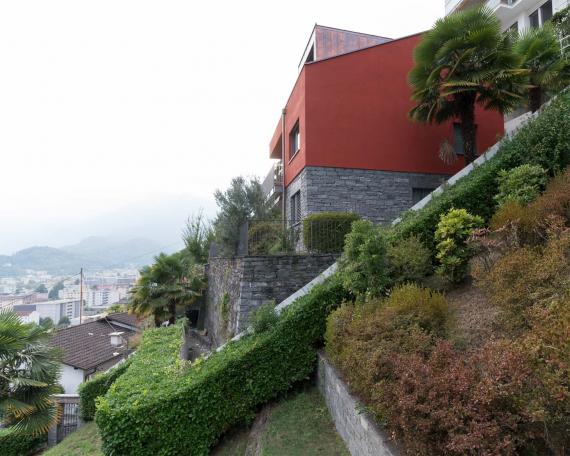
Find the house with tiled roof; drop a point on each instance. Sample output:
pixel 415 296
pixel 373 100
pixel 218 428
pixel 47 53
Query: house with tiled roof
pixel 94 347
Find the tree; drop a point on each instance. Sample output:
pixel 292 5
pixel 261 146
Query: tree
pixel 29 370
pixel 243 201
pixel 115 308
pixel 63 322
pixel 463 61
pixel 165 286
pixel 46 323
pixel 41 288
pixel 198 236
pixel 54 292
pixel 539 53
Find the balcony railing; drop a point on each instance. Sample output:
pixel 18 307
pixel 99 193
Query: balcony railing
pixel 273 183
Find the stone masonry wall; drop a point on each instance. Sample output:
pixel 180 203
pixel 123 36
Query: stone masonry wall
pixel 251 282
pixel 361 434
pixel 224 276
pixel 379 196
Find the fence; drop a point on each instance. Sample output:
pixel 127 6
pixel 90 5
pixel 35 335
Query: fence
pixel 287 237
pixel 69 420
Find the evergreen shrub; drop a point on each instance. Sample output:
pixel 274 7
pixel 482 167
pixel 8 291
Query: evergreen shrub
pixel 325 232
pixel 161 406
pixel 97 387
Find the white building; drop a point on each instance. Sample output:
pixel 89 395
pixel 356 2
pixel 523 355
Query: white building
pixel 93 347
pixel 513 14
pixel 59 308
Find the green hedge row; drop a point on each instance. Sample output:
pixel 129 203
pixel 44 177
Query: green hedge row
pixel 544 141
pixel 162 407
pixel 97 387
pixel 324 232
pixel 20 445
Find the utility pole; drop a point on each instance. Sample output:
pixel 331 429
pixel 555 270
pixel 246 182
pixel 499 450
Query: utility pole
pixel 81 296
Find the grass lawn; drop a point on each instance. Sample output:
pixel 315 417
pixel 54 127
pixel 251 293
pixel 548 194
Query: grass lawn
pixel 84 442
pixel 298 425
pixel 301 426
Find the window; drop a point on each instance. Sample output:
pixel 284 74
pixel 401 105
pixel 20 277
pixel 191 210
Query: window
pixel 458 139
pixel 534 20
pixel 419 194
pixel 296 207
pixel 514 28
pixel 542 15
pixel 294 140
pixel 546 12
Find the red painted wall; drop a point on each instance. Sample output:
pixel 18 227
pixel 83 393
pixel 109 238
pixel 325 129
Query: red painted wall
pixel 353 114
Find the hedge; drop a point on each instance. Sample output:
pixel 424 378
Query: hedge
pixel 98 386
pixel 20 445
pixel 324 232
pixel 160 406
pixel 543 141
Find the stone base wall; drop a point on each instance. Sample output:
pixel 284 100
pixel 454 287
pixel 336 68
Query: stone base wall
pixel 379 196
pixel 361 434
pixel 248 282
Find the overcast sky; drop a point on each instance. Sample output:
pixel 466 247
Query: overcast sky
pixel 114 107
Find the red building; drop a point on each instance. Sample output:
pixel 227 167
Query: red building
pixel 344 139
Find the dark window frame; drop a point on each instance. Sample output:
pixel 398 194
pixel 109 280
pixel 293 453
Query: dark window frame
pixel 295 209
pixel 294 140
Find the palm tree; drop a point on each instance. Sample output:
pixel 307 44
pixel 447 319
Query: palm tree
pixel 165 286
pixel 463 61
pixel 539 53
pixel 29 370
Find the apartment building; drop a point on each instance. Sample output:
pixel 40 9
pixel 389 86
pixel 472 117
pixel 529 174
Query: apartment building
pixel 514 14
pixel 344 141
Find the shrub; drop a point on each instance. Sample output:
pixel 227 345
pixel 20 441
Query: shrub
pixel 544 141
pixel 324 232
pixel 453 252
pixel 262 236
pixel 12 444
pixel 161 406
pixel 264 318
pixel 409 260
pixel 97 387
pixel 527 275
pixel 363 265
pixel 521 184
pixel 448 403
pixel 360 338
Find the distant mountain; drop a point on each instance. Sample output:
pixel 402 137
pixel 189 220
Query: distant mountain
pixel 116 251
pixel 93 253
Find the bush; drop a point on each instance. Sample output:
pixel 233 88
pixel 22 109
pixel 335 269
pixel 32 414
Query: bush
pixel 161 406
pixel 262 236
pixel 264 318
pixel 97 387
pixel 409 260
pixel 325 232
pixel 527 275
pixel 363 265
pixel 360 338
pixel 532 224
pixel 521 184
pixel 544 141
pixel 453 252
pixel 20 445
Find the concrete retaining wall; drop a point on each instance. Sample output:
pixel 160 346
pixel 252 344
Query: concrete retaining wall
pixel 361 434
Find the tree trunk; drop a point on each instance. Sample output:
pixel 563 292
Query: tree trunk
pixel 535 98
pixel 172 311
pixel 468 131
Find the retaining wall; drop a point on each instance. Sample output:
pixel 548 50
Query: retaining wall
pixel 241 285
pixel 361 434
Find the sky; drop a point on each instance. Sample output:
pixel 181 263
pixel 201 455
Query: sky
pixel 112 111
